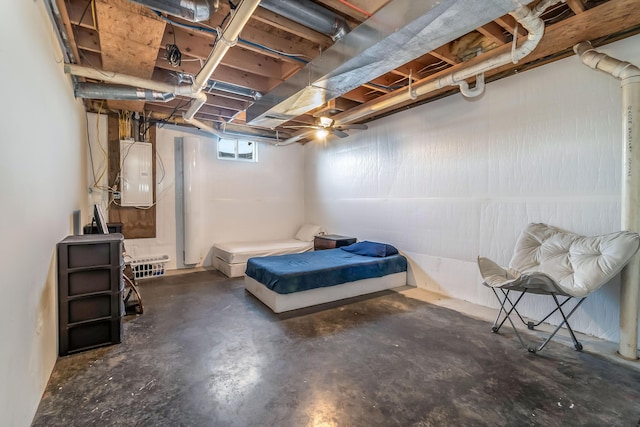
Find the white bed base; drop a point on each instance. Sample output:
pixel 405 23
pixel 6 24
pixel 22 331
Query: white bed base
pixel 229 270
pixel 231 257
pixel 286 302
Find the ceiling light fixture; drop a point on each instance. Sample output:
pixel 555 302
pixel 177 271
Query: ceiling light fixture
pixel 322 133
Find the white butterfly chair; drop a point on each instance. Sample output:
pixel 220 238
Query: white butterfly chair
pixel 554 262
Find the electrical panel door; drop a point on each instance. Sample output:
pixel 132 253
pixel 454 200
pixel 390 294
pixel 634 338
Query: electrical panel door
pixel 136 173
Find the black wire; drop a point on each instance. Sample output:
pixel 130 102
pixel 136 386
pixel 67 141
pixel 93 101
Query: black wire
pixel 93 171
pixel 232 7
pixel 85 11
pixel 174 56
pixel 162 122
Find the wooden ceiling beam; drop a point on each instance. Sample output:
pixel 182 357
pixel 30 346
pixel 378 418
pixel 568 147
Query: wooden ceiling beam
pixel 76 10
pixel 87 39
pixel 509 23
pixel 62 7
pixel 282 23
pixel 236 57
pixel 376 88
pixel 222 73
pixel 279 40
pixel 182 104
pixel 358 94
pixel 443 53
pixel 494 32
pixel 222 99
pixel 592 24
pixel 259 32
pixel 369 6
pixel 166 111
pixel 577 6
pixel 92 59
pixel 411 67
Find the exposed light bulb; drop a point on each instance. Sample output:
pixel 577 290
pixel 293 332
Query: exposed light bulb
pixel 321 133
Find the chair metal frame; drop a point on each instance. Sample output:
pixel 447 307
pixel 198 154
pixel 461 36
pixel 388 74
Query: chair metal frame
pixel 497 324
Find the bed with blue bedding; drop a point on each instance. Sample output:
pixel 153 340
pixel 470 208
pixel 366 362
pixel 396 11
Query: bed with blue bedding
pixel 288 282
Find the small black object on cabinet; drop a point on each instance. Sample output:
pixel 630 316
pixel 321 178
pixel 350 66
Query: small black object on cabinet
pixel 90 288
pixel 332 241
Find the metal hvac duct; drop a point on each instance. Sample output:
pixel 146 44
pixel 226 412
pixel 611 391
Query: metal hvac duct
pixel 310 15
pixel 126 93
pixel 191 10
pixel 398 33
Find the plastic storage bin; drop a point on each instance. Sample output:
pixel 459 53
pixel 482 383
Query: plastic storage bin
pixel 151 266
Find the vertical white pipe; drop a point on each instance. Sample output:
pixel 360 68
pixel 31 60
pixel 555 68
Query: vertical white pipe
pixel 193 195
pixel 629 75
pixel 630 288
pixel 225 41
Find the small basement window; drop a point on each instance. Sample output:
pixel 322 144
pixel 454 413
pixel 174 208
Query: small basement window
pixel 237 149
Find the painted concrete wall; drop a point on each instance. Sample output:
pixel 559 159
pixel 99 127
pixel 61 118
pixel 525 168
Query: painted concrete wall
pixel 42 170
pixel 454 179
pixel 241 201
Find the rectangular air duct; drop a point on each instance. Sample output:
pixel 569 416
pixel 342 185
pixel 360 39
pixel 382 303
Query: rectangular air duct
pixel 398 33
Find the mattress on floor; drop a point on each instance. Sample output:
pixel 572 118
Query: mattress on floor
pixel 240 252
pixel 300 272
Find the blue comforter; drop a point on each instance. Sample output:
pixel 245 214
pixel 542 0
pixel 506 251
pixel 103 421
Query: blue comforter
pixel 286 274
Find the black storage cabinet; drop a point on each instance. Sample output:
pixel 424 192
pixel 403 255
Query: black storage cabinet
pixel 90 288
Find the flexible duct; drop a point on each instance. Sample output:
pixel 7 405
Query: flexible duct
pixel 126 93
pixel 310 15
pixel 629 76
pixel 191 10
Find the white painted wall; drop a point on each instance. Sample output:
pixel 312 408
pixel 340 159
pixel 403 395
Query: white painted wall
pixel 241 200
pixel 454 179
pixel 42 170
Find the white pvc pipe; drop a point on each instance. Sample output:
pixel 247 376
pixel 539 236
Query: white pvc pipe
pixel 475 91
pixel 523 15
pixel 226 40
pixel 629 75
pixel 630 287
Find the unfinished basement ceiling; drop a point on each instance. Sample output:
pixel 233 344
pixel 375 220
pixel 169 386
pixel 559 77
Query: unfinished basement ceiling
pixel 125 37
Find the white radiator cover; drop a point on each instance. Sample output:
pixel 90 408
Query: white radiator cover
pixel 194 186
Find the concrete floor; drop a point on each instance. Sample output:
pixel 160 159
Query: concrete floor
pixel 206 353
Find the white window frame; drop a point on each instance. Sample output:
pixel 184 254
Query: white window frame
pixel 236 155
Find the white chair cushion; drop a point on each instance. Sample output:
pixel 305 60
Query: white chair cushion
pixel 554 260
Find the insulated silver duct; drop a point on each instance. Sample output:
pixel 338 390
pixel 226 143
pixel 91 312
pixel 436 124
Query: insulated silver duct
pixel 311 15
pixel 124 93
pixel 191 10
pixel 398 33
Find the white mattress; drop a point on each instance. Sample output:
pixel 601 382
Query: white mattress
pixel 285 302
pixel 240 252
